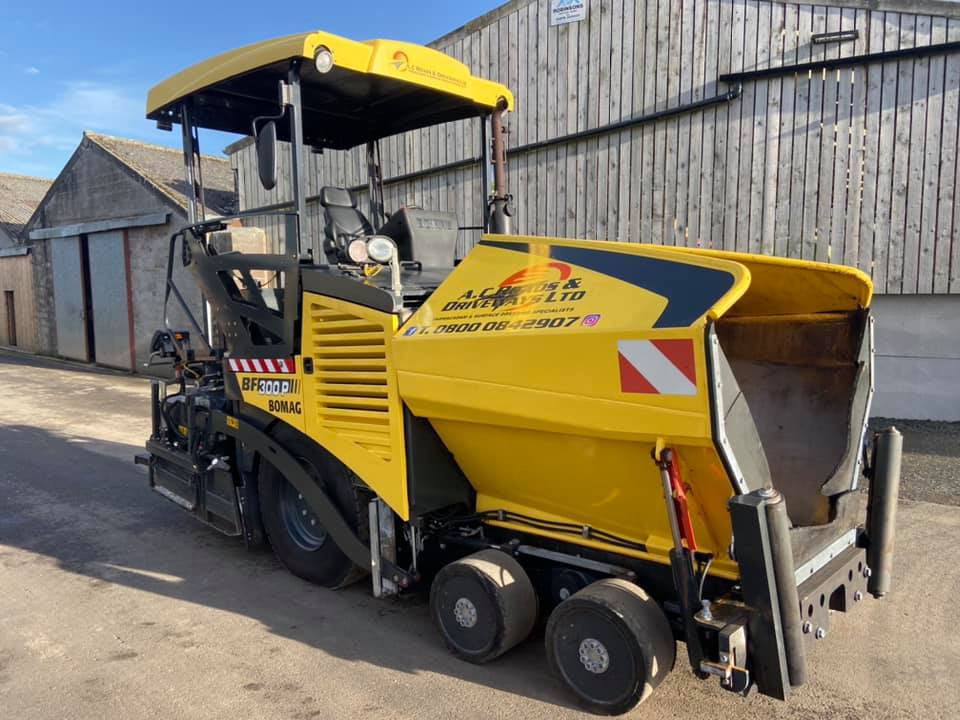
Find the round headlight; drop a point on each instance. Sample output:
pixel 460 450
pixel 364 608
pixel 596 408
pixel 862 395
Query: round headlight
pixel 357 252
pixel 323 60
pixel 381 249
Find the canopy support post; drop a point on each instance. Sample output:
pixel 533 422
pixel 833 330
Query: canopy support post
pixel 195 208
pixel 294 244
pixel 375 184
pixel 485 171
pixel 191 153
pixel 499 210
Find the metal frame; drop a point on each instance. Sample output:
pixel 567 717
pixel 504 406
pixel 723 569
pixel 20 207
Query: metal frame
pixel 754 555
pixel 858 465
pixel 295 244
pixel 715 392
pixel 207 266
pixel 822 558
pixel 841 583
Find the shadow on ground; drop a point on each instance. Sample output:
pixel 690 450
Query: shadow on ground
pixel 27 360
pixel 72 500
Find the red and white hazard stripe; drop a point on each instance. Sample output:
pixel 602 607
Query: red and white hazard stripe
pixel 264 366
pixel 657 367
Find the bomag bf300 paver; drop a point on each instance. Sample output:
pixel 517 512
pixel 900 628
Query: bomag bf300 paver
pixel 636 443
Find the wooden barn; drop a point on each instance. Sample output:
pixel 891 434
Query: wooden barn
pixel 823 132
pixel 19 197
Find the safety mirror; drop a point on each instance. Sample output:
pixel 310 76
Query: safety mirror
pixel 267 155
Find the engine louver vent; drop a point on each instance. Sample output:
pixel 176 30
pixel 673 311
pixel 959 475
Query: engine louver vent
pixel 354 396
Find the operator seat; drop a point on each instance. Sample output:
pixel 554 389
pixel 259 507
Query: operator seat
pixel 343 221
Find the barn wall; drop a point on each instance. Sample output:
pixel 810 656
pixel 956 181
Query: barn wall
pixel 16 275
pixel 917 357
pixel 855 166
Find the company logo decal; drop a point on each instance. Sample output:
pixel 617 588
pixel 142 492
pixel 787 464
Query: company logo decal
pixel 591 320
pixel 538 273
pixel 690 289
pixel 543 284
pixel 401 63
pixel 657 367
pixel 400 60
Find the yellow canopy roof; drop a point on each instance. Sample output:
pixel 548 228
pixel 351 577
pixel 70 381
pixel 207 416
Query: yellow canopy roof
pixel 375 88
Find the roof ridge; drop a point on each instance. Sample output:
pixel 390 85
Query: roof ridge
pixel 20 176
pixel 97 137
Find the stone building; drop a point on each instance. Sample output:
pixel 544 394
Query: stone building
pixel 99 241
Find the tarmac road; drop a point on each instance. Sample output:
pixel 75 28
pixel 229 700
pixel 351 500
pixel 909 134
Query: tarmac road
pixel 116 604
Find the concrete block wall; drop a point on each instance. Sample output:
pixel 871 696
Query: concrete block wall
pixel 92 187
pixel 43 297
pixel 149 247
pixel 917 357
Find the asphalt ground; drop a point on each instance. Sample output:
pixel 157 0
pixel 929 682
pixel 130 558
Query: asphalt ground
pixel 116 604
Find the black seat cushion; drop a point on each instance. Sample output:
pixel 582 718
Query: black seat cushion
pixel 343 221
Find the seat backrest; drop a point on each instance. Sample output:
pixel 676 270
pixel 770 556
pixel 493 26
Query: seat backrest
pixel 342 221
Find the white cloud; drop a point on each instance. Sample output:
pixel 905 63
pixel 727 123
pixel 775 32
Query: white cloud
pixel 11 121
pixel 78 106
pixel 32 71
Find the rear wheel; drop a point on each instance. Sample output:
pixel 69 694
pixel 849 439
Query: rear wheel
pixel 483 605
pixel 611 644
pixel 298 538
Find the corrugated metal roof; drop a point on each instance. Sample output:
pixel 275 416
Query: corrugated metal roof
pixel 162 167
pixel 19 197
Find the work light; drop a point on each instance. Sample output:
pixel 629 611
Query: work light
pixel 357 251
pixel 381 249
pixel 323 60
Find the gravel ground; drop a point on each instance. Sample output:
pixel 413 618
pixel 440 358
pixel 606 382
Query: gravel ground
pixel 116 604
pixel 931 459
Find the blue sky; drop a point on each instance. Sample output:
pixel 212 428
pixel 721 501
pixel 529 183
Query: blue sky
pixel 68 66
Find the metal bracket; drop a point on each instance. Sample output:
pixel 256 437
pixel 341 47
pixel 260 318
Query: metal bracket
pixel 729 620
pixel 286 94
pixel 576 561
pixel 383 546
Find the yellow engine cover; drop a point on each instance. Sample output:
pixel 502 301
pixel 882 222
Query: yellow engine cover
pixel 348 402
pixel 351 401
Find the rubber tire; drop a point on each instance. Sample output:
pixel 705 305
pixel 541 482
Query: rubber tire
pixel 643 642
pixel 327 565
pixel 503 595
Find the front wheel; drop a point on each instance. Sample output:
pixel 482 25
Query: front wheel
pixel 483 605
pixel 611 645
pixel 298 538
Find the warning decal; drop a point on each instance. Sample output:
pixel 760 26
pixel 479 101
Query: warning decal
pixel 657 367
pixel 279 366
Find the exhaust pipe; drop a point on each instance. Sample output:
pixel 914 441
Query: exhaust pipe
pixel 882 509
